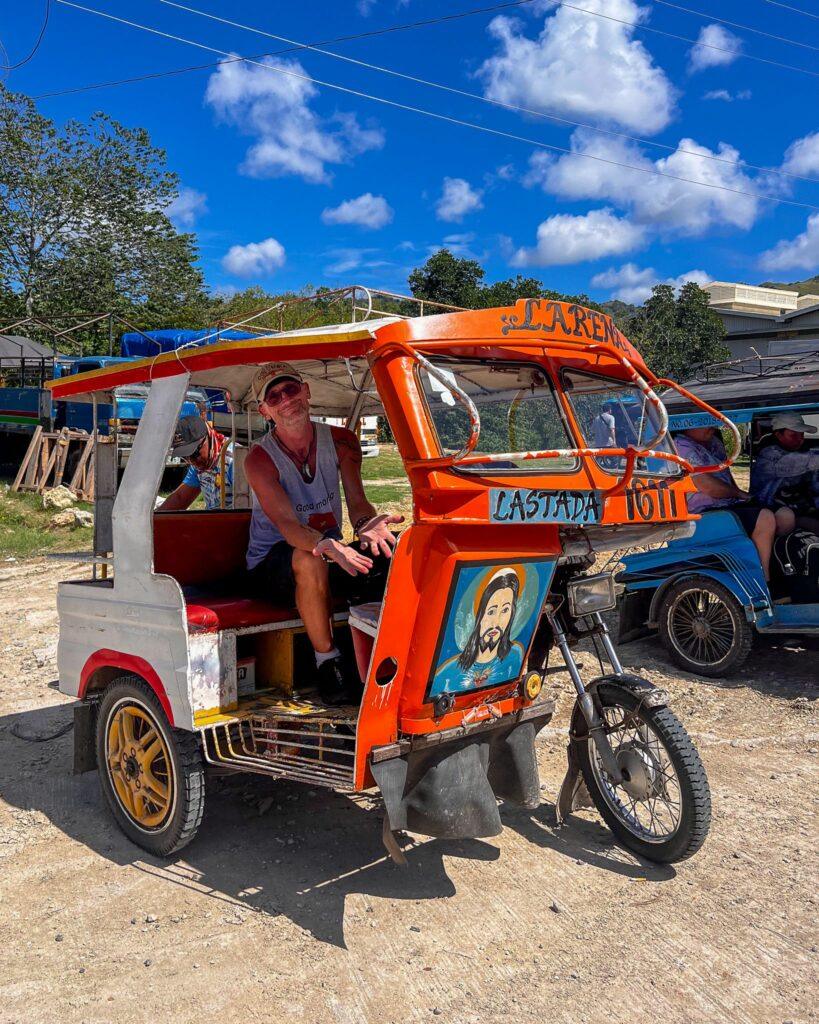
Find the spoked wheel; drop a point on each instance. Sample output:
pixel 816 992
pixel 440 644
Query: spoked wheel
pixel 704 627
pixel 662 807
pixel 151 775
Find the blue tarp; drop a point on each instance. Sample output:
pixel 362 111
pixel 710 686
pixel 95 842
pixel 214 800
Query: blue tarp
pixel 134 344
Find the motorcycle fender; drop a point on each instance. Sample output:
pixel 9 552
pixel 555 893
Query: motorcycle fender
pixel 649 694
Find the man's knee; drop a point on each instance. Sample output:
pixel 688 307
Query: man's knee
pixel 766 523
pixel 785 520
pixel 308 568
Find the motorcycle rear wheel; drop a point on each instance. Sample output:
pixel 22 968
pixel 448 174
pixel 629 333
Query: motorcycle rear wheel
pixel 662 808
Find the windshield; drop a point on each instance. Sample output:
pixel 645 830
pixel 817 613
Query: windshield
pixel 517 408
pixel 613 414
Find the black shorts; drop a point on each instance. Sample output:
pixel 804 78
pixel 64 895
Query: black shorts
pixel 273 578
pixel 748 514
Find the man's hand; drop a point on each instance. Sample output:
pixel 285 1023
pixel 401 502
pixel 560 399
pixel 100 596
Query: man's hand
pixel 375 534
pixel 350 560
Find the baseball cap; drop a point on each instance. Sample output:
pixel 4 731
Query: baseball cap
pixel 792 421
pixel 272 373
pixel 190 433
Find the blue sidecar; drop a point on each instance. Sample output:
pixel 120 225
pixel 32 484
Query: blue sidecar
pixel 706 594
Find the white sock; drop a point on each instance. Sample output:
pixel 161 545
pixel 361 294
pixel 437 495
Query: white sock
pixel 322 656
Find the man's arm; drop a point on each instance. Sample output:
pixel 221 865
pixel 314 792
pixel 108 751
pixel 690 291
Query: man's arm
pixel 374 534
pixel 263 478
pixel 350 458
pixel 708 484
pixel 180 499
pixel 781 464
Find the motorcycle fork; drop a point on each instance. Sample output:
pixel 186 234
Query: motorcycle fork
pixel 594 719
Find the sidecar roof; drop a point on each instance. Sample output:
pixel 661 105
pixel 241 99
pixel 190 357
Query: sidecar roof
pixel 333 358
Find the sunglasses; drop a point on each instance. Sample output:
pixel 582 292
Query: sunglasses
pixel 288 390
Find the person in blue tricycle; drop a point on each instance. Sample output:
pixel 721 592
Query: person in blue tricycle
pixel 785 474
pixel 703 446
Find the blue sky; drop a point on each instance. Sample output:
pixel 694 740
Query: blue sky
pixel 288 184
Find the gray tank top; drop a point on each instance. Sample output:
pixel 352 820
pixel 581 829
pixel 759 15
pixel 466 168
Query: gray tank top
pixel 316 504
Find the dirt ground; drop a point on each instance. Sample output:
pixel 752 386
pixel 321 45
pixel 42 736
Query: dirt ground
pixel 285 908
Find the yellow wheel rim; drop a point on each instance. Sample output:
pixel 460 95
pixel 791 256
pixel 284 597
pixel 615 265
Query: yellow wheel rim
pixel 139 766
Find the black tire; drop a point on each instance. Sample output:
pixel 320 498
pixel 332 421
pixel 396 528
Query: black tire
pixel 694 820
pixel 178 766
pixel 701 603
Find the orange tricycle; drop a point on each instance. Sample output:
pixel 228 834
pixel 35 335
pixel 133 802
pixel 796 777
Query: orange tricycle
pixel 533 440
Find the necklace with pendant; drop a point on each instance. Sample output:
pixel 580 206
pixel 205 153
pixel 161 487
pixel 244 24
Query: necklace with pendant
pixel 303 465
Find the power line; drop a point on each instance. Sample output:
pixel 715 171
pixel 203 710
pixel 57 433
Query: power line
pixel 403 27
pixel 25 60
pixel 435 115
pixel 685 39
pixel 411 25
pixel 734 24
pixel 477 96
pixel 797 10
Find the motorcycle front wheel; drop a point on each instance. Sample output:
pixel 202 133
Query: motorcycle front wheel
pixel 661 810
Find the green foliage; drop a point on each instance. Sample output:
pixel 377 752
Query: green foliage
pixel 457 281
pixel 26 530
pixel 82 222
pixel 676 335
pixel 809 286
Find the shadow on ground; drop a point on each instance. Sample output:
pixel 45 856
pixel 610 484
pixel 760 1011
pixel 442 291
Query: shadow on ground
pixel 274 847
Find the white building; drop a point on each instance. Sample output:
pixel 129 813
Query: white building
pixel 765 321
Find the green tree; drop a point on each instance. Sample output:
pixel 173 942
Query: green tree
pixel 447 278
pixel 677 334
pixel 83 224
pixel 458 281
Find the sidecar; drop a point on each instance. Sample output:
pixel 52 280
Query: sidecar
pixel 706 594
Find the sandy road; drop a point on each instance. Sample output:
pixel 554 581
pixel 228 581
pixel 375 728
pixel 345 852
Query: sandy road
pixel 285 909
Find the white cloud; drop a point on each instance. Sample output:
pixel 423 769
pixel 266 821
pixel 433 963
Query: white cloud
pixel 581 66
pixel 366 211
pixel 564 239
pixel 800 253
pixel 629 283
pixel 723 94
pixel 802 156
pixel 257 259
pixel 666 204
pixel 346 260
pixel 457 200
pixel 291 138
pixel 702 54
pixel 188 206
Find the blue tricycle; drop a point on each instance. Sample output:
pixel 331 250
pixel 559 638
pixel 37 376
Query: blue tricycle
pixel 706 594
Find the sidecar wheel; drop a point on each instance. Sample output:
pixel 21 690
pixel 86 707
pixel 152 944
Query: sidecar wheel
pixel 662 808
pixel 151 774
pixel 703 627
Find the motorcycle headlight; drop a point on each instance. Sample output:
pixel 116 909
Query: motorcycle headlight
pixel 590 594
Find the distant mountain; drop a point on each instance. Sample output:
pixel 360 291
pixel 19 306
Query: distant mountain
pixel 618 310
pixel 810 286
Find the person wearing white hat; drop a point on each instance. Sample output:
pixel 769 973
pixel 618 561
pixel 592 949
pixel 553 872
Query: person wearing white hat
pixel 296 553
pixel 785 473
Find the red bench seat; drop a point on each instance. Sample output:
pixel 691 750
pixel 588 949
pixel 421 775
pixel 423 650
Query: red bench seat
pixel 209 614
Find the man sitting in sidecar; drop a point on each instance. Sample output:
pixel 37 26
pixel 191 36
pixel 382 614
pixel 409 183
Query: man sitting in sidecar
pixel 785 474
pixel 295 550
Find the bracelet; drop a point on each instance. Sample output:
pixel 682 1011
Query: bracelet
pixel 361 521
